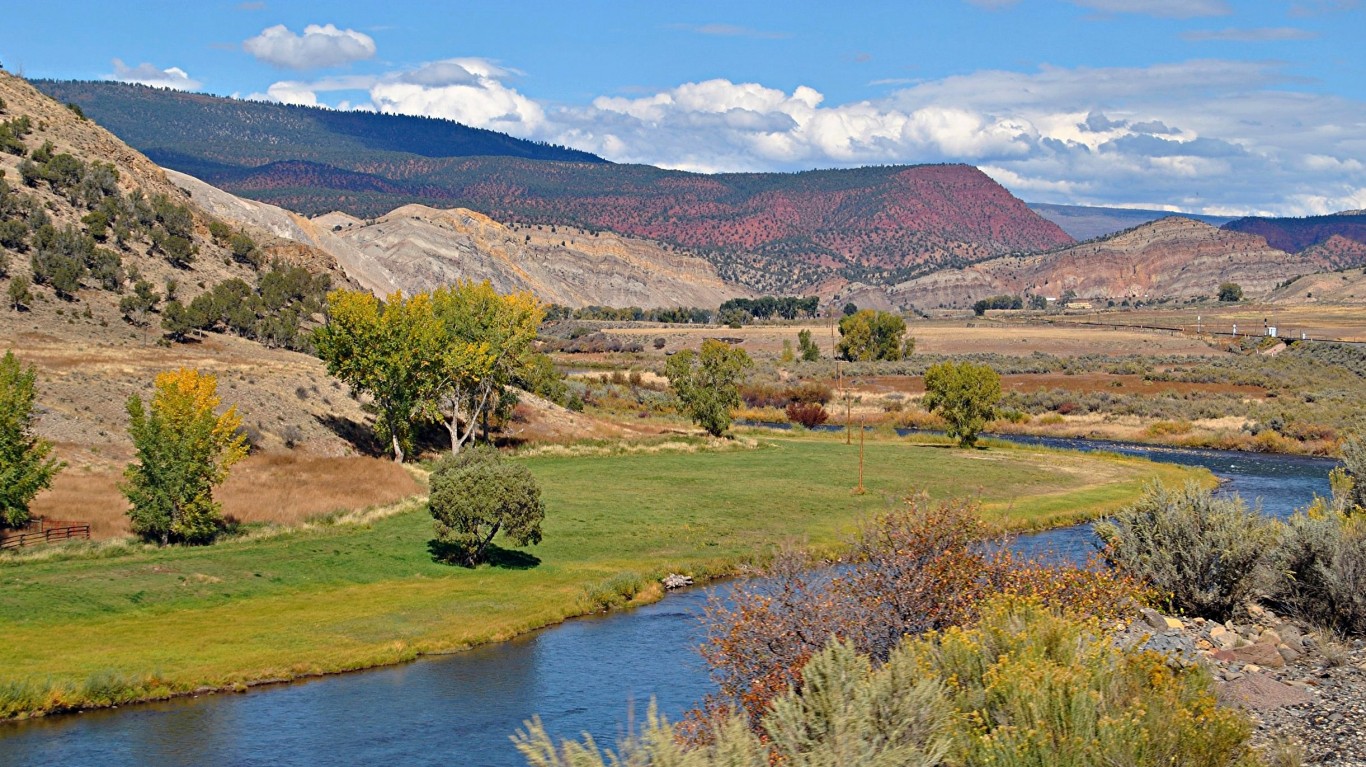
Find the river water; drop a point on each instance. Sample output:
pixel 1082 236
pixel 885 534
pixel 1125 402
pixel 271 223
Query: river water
pixel 588 675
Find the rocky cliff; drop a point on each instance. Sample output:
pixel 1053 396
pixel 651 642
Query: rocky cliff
pixel 419 248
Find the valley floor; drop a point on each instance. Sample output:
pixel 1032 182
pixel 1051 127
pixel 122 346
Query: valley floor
pixel 119 623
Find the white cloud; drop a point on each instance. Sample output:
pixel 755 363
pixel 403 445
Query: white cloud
pixel 1175 9
pixel 467 90
pixel 318 47
pixel 147 74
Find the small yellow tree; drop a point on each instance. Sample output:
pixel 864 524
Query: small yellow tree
pixel 184 449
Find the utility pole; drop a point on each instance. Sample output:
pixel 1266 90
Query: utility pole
pixel 839 375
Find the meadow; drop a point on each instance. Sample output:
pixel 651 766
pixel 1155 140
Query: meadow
pixel 118 622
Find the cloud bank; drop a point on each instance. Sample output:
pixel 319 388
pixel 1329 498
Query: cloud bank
pixel 319 47
pixel 147 74
pixel 1205 135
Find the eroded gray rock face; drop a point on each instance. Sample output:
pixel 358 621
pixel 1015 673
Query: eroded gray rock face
pixel 416 248
pixel 422 248
pixel 285 225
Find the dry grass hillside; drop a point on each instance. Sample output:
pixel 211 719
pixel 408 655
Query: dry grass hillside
pixel 1169 258
pixel 313 449
pixel 69 133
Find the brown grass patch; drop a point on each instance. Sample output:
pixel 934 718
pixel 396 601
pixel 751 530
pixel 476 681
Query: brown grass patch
pixel 283 489
pixel 1082 383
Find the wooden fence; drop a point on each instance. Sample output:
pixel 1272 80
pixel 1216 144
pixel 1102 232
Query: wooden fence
pixel 43 530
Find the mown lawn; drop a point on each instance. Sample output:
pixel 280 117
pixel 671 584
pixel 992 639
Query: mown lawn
pixel 148 623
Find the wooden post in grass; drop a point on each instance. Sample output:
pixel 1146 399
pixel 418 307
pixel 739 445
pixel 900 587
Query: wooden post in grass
pixel 859 490
pixel 848 417
pixel 839 375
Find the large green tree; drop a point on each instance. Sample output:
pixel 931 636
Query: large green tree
pixel 964 394
pixel 184 449
pixel 707 382
pixel 477 494
pixel 26 465
pixel 869 334
pixel 390 351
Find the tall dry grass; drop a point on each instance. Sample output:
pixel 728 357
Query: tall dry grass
pixel 278 488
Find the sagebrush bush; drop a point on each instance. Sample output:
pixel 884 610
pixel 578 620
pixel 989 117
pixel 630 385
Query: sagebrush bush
pixel 1203 553
pixel 1318 568
pixel 1023 686
pixel 615 591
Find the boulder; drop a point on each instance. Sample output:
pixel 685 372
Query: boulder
pixel 1264 655
pixel 1262 693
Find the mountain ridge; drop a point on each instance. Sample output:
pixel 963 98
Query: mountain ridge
pixel 1086 222
pixel 769 232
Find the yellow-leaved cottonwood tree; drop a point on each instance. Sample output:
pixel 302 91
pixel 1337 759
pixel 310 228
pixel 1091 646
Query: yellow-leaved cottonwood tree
pixel 389 350
pixel 488 339
pixel 448 355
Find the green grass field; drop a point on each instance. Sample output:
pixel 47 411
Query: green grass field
pixel 94 630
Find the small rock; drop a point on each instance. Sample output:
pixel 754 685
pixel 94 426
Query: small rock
pixel 1252 668
pixel 1222 637
pixel 1269 637
pixel 1153 618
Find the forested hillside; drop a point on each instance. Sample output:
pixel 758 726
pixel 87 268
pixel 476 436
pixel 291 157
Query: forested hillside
pixel 774 232
pixel 205 135
pixel 1296 234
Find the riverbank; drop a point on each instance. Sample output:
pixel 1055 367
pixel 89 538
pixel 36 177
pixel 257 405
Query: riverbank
pixel 110 628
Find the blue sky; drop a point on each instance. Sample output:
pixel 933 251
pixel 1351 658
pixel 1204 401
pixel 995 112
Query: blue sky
pixel 1210 106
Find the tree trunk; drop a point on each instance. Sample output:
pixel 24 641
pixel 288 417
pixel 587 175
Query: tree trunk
pixel 477 555
pixel 453 427
pixel 398 449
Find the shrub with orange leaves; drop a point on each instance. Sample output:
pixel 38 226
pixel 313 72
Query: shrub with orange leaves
pixel 809 415
pixel 923 567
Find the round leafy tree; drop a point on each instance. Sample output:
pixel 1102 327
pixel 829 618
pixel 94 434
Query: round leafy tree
pixel 475 495
pixel 707 383
pixel 964 394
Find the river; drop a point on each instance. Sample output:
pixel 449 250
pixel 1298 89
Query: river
pixel 587 675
